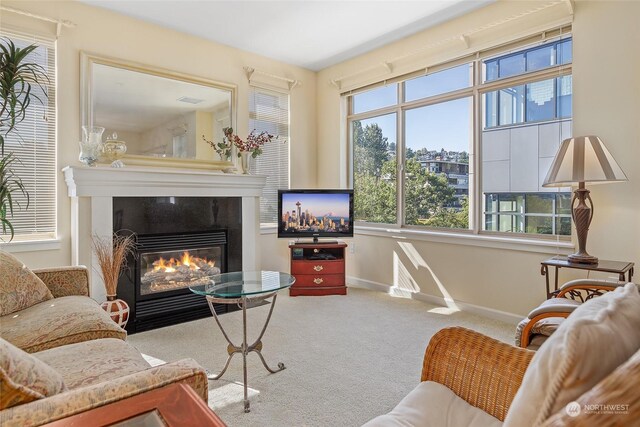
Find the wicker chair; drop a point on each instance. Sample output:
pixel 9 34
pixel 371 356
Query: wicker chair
pixel 471 380
pixel 487 373
pixel 542 321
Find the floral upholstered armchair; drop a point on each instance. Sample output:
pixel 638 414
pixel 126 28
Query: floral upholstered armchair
pixel 47 308
pixel 61 354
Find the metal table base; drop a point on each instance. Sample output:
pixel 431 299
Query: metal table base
pixel 244 349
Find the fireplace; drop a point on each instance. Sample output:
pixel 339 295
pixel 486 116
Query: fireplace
pixel 169 263
pixel 156 200
pixel 181 241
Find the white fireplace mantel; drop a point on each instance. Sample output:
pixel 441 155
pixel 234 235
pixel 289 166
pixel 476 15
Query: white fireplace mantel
pixel 92 190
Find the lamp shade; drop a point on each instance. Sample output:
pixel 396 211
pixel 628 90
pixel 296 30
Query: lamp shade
pixel 583 159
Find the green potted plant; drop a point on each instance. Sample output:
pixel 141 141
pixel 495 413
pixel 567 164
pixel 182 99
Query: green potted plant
pixel 17 78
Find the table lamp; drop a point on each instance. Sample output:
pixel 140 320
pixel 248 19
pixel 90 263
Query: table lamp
pixel 579 160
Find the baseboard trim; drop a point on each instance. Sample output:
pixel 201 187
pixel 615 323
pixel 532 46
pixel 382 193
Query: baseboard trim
pixel 356 282
pixel 491 313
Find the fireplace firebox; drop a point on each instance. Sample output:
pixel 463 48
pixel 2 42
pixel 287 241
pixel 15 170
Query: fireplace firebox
pixel 180 242
pixel 165 266
pixel 170 263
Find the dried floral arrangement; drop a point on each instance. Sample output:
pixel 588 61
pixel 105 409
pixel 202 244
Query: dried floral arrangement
pixel 112 253
pixel 252 144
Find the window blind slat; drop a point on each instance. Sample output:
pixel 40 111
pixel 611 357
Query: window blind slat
pixel 33 145
pixel 269 111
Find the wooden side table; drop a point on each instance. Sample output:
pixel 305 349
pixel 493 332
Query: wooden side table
pixel 172 405
pixel 319 269
pixel 621 268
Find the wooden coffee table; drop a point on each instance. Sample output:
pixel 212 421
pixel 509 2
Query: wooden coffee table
pixel 173 405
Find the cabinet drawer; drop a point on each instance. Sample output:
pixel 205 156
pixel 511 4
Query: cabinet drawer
pixel 319 280
pixel 317 267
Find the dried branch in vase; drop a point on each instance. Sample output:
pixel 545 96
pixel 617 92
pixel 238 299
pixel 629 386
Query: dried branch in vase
pixel 253 144
pixel 112 253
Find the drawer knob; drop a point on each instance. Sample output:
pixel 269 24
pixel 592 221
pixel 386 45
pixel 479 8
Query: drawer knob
pixel 318 267
pixel 317 280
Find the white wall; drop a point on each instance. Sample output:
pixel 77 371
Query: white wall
pixel 109 34
pixel 606 89
pixel 606 102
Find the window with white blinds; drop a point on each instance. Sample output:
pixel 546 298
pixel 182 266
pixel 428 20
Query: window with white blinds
pixel 33 143
pixel 269 111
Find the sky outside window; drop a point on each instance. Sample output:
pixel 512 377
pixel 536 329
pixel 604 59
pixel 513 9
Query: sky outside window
pixel 446 125
pixel 374 99
pixel 444 81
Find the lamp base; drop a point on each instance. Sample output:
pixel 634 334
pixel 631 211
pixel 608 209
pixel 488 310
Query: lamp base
pixel 582 258
pixel 582 214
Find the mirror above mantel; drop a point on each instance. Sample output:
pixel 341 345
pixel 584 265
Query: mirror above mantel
pixel 161 115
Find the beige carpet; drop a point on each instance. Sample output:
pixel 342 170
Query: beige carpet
pixel 348 359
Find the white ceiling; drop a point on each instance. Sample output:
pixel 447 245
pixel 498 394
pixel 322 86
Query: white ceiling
pixel 310 34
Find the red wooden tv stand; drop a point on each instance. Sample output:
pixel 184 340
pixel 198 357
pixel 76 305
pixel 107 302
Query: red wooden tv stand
pixel 319 268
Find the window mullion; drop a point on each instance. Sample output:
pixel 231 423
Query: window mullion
pixel 476 203
pixel 528 77
pixel 373 113
pixel 400 144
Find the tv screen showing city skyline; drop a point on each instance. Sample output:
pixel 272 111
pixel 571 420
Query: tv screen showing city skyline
pixel 315 213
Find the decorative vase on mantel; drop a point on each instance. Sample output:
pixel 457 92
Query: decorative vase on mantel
pixel 245 162
pixel 91 144
pixel 117 309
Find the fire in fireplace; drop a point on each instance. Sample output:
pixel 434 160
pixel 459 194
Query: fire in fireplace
pixel 170 270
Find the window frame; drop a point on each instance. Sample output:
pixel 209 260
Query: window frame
pixel 477 90
pixel 50 240
pixel 253 88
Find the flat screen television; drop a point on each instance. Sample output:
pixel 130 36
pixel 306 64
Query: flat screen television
pixel 315 213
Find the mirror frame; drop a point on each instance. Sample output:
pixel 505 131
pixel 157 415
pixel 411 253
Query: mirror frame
pixel 87 60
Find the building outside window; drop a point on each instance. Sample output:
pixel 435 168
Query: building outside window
pixel 413 143
pixel 33 143
pixel 522 129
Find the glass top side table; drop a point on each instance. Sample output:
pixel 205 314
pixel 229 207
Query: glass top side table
pixel 244 288
pixel 618 267
pixel 244 284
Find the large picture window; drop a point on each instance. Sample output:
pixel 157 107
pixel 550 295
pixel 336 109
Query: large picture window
pixel 33 143
pixel 416 144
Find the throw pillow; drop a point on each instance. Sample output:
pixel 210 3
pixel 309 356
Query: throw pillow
pixel 20 288
pixel 595 339
pixel 24 378
pixel 613 401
